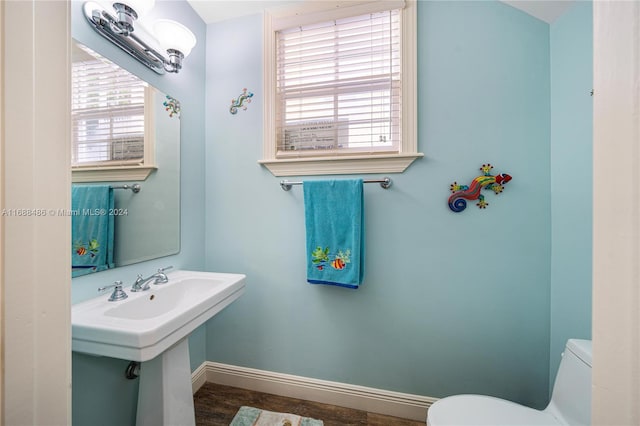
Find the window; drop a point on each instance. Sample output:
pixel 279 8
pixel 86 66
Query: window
pixel 340 89
pixel 111 130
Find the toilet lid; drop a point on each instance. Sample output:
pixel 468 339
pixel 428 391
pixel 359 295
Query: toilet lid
pixel 480 410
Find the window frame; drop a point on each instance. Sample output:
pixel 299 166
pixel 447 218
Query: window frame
pixel 370 162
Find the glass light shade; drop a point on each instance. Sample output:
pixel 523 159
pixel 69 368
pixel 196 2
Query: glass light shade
pixel 173 35
pixel 140 6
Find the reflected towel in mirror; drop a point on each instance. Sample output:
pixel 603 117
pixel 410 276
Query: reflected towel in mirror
pixel 92 228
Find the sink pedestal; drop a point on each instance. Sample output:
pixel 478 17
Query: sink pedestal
pixel 165 396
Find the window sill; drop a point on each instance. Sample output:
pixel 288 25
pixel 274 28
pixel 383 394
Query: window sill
pixel 111 174
pixel 384 163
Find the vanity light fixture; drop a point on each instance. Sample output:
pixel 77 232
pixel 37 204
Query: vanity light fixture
pixel 118 28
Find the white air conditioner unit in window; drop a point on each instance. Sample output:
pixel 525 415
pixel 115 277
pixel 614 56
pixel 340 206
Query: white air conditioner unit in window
pixel 308 135
pixel 131 149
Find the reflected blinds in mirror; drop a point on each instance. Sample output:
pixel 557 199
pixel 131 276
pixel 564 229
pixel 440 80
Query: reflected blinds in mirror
pixel 107 109
pixel 338 85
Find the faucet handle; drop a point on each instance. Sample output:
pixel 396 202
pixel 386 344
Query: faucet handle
pixel 115 284
pixel 165 268
pixel 118 293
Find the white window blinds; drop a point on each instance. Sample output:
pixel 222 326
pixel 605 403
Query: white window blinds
pixel 338 86
pixel 107 109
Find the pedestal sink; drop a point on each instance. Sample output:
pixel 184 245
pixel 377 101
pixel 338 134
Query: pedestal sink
pixel 152 327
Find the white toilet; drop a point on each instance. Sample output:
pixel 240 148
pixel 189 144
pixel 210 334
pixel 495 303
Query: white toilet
pixel 570 400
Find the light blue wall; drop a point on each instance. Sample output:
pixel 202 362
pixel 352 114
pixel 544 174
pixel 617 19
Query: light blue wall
pixel 451 302
pixel 101 394
pixel 571 176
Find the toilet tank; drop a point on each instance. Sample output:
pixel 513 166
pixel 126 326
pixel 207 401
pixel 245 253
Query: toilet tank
pixel 571 396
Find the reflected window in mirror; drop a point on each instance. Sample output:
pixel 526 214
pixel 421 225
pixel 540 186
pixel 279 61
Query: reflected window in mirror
pixel 112 121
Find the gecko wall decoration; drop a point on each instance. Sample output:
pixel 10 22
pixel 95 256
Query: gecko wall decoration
pixel 172 106
pixel 461 193
pixel 240 101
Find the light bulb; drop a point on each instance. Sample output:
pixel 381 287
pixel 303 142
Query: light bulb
pixel 174 36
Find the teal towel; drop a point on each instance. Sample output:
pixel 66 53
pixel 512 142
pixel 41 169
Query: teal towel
pixel 334 219
pixel 92 228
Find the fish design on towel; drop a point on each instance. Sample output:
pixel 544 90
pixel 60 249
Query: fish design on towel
pixel 91 248
pixel 321 258
pixel 338 264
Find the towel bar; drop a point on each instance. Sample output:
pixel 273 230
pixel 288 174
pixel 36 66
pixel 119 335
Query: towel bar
pixel 384 183
pixel 135 187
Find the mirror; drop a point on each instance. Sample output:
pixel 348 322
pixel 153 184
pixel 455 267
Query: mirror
pixel 146 224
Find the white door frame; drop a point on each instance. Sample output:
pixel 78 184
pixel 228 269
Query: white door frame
pixel 35 192
pixel 616 214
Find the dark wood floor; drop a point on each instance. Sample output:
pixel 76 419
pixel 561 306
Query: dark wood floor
pixel 216 405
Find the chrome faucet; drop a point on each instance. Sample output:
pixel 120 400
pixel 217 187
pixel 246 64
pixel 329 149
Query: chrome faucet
pixel 118 293
pixel 142 284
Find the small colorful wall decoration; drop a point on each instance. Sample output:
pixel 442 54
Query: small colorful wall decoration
pixel 172 106
pixel 241 101
pixel 472 191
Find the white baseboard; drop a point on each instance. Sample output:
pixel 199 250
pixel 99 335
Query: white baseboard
pixel 373 400
pixel 199 377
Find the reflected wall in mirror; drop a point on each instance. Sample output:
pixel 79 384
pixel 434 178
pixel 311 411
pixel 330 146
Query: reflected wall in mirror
pixel 125 132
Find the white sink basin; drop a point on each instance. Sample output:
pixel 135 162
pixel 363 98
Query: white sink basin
pixel 147 323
